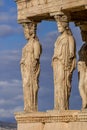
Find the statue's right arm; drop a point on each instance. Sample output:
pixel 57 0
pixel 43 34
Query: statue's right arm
pixel 37 53
pixel 72 47
pixel 23 57
pixel 37 50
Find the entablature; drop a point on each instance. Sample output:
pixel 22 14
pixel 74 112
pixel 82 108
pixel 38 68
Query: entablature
pixel 38 10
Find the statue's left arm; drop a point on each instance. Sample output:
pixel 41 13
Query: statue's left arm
pixel 72 47
pixel 72 50
pixel 37 53
pixel 37 50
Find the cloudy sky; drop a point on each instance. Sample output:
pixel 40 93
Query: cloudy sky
pixel 11 43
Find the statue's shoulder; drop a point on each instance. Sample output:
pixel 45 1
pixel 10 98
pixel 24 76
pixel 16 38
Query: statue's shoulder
pixel 71 36
pixel 26 47
pixel 63 38
pixel 36 41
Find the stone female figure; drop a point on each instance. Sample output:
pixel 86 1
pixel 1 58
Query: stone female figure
pixel 30 67
pixel 82 71
pixel 63 62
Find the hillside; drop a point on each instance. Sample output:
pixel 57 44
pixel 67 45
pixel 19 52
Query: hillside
pixel 8 126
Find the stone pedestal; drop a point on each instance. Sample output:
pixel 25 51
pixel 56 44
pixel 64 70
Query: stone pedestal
pixel 52 120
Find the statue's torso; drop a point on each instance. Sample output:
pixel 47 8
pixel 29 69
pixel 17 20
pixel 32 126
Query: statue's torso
pixel 61 49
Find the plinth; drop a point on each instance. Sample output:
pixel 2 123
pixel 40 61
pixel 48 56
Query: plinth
pixel 52 120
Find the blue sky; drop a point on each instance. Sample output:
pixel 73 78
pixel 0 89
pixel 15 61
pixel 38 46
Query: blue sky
pixel 11 43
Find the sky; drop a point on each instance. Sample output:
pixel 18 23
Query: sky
pixel 12 41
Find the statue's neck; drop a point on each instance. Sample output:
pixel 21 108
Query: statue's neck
pixel 64 33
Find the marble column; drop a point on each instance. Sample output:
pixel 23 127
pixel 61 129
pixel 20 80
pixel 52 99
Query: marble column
pixel 30 67
pixel 82 66
pixel 63 63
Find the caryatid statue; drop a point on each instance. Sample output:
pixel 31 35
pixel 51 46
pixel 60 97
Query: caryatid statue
pixel 63 62
pixel 82 68
pixel 30 67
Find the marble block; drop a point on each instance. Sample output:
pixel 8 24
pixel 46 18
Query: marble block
pixel 52 120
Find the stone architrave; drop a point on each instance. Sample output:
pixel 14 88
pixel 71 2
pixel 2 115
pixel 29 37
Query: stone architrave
pixel 55 120
pixel 63 62
pixel 30 67
pixel 82 68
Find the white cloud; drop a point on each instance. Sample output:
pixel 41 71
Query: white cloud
pixel 11 98
pixel 5 113
pixel 8 30
pixel 9 113
pixel 9 63
pixel 4 102
pixel 18 97
pixel 17 109
pixel 11 91
pixel 11 101
pixel 50 39
pixel 44 90
pixel 10 67
pixel 12 83
pixel 10 55
pixel 5 17
pixel 44 58
pixel 8 23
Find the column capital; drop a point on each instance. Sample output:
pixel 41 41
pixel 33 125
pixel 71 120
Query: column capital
pixel 62 18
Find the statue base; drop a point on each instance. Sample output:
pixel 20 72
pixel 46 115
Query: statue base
pixel 52 120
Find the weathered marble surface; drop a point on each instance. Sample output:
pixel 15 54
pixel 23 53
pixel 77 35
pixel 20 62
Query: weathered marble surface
pixel 36 11
pixel 82 70
pixel 42 9
pixel 64 120
pixel 82 66
pixel 30 68
pixel 64 63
